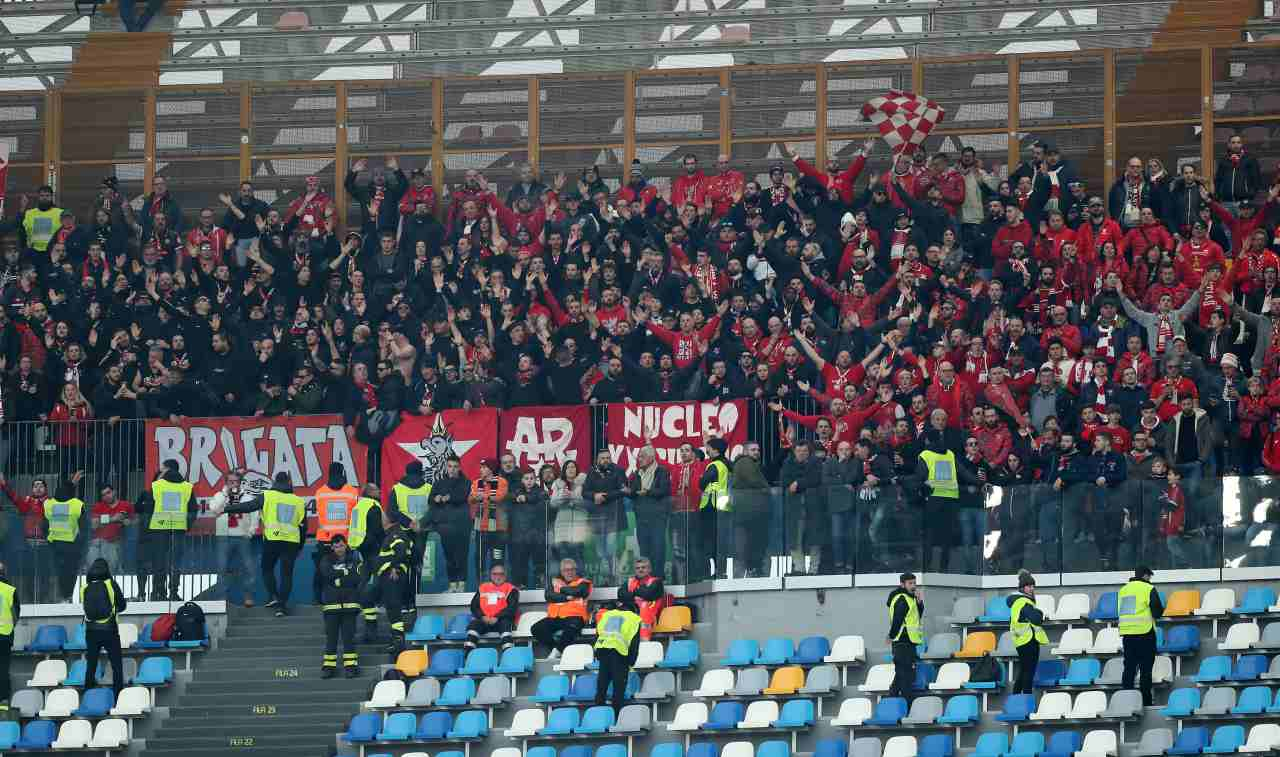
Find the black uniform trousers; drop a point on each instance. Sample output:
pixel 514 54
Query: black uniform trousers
pixel 6 651
pixel 286 554
pixel 340 625
pixel 369 604
pixel 477 627
pixel 557 633
pixel 613 671
pixel 1139 657
pixel 904 669
pixel 66 556
pixel 97 637
pixel 1028 658
pixel 392 592
pixel 161 552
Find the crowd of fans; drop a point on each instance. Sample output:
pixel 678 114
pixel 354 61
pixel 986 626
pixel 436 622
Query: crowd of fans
pixel 1073 339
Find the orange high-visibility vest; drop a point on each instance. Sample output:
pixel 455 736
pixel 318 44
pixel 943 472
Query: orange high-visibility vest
pixel 572 608
pixel 493 598
pixel 333 511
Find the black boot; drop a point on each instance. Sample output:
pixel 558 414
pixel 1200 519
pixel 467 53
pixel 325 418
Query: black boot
pixel 352 672
pixel 328 673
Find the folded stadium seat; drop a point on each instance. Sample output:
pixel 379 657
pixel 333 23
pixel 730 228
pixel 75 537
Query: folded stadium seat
pixel 1047 604
pixel 822 681
pixel 937 745
pixel 1240 636
pixel 751 682
pixel 977 644
pixel 634 719
pixel 1005 647
pixel 110 734
pixel 469 725
pixel 1026 744
pixel 738 749
pixel 725 716
pixel 595 721
pixel 1073 641
pixel 810 651
pixel 609 750
pixel 961 711
pixel 128 637
pixel 1153 742
pixel 1249 667
pixel 865 746
pixel 49 639
pixel 1180 640
pixel 682 654
pixel 1216 602
pixel 146 642
pixel 741 652
pixel 10 732
pixel 425 628
pixel 76 675
pixel 1063 744
pixel 398 726
pixel 518 661
pixel 1274 709
pixel 1124 705
pixel 96 703
pixel 1217 701
pixel 674 619
pixel 1107 641
pixel 76 734
pixel 900 746
pixel 669 749
pixel 689 717
pixel 775 652
pixel 1270 637
pixel 1106 609
pixel 456 628
pixel 951 677
pixel 434 726
pixel 479 662
pixel 576 658
pixel 796 714
pixel 1273 670
pixel 76 642
pixel 760 714
pixel 444 663
pixel 648 656
pixel 1053 706
pixel 1099 744
pixel 925 675
pixel 48 673
pixel 1017 708
pixel 1048 673
pixel 27 702
pixel 1071 608
pixel 657 686
pixel 1264 737
pixel 506 751
pixel 704 749
pixel 535 751
pixel 991 744
pixel 583 688
pixel 942 646
pixel 1253 700
pixel 1258 599
pixel 924 711
pixel 446 753
pixel 785 681
pixel 493 691
pixel 422 693
pixel 1088 705
pixel 773 748
pixel 1082 672
pixel 997 611
pixel 551 689
pixel 386 694
pixel 1226 740
pixel 831 748
pixel 889 712
pixel 363 728
pixel 457 692
pixel 1182 603
pixel 964 611
pixel 60 703
pixel 526 723
pixel 524 625
pixel 37 735
pixel 853 712
pixel 1182 703
pixel 847 649
pixel 878 680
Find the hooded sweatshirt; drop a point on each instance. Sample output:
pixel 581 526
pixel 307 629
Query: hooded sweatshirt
pixel 97 577
pixel 900 611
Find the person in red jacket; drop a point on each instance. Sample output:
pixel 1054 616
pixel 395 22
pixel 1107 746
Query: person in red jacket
pixel 949 393
pixel 946 178
pixel 687 189
pixel 38 561
pixel 309 209
pixel 687 345
pixel 835 179
pixel 419 191
pixel 1096 231
pixel 1196 254
pixel 1251 216
pixel 722 190
pixel 1147 234
pixel 1015 229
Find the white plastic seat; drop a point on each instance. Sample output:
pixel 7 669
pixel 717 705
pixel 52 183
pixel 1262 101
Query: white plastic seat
pixel 738 749
pixel 760 714
pixel 1264 737
pixel 48 673
pixel 879 678
pixel 1216 602
pixel 1053 706
pixel 852 712
pixel 1107 641
pixel 1100 744
pixel 1074 641
pixel 128 635
pixel 135 700
pixel 60 703
pixel 848 648
pixel 112 733
pixel 1071 607
pixel 689 717
pixel 576 658
pixel 1047 604
pixel 526 723
pixel 649 656
pixel 900 746
pixel 1088 704
pixel 506 751
pixel 524 626
pixel 1162 670
pixel 715 683
pixel 951 676
pixel 386 694
pixel 1240 636
pixel 74 734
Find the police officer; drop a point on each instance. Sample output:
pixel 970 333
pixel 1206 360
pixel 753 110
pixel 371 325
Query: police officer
pixel 10 611
pixel 617 645
pixel 64 513
pixel 334 503
pixel 715 499
pixel 283 513
pixel 906 607
pixel 341 578
pixel 493 609
pixel 393 574
pixel 1026 623
pixel 364 534
pixel 168 514
pixel 102 601
pixel 1139 606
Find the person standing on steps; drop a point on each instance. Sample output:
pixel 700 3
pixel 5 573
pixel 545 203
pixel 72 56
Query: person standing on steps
pixel 393 574
pixel 335 501
pixel 283 514
pixel 493 609
pixel 1139 606
pixel 411 495
pixel 64 514
pixel 365 534
pixel 10 611
pixel 167 512
pixel 616 649
pixel 906 608
pixel 342 575
pixel 1026 623
pixel 102 601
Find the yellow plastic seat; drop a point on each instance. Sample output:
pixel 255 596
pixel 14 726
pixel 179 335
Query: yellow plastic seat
pixel 1182 603
pixel 412 662
pixel 977 644
pixel 674 619
pixel 786 680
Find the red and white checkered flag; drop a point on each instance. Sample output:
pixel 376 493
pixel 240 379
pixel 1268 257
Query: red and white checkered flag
pixel 903 118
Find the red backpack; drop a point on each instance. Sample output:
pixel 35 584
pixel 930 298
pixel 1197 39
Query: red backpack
pixel 162 628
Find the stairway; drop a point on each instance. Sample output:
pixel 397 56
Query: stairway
pixel 260 692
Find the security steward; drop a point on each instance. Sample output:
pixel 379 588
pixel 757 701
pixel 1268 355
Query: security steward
pixel 168 514
pixel 493 609
pixel 942 478
pixel 411 495
pixel 364 534
pixel 342 576
pixel 906 607
pixel 1026 623
pixel 617 645
pixel 647 592
pixel 566 610
pixel 1139 606
pixel 283 513
pixel 393 574
pixel 335 502
pixel 10 611
pixel 715 500
pixel 102 601
pixel 64 513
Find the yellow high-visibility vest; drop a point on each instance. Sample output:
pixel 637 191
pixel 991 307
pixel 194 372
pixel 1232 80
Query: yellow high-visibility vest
pixel 171 503
pixel 717 492
pixel 1024 631
pixel 358 529
pixel 910 624
pixel 1134 605
pixel 282 516
pixel 942 474
pixel 616 629
pixel 63 517
pixel 413 501
pixel 7 592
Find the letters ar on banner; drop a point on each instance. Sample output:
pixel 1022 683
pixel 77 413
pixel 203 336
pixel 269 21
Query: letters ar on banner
pixel 539 435
pixel 471 435
pixel 670 425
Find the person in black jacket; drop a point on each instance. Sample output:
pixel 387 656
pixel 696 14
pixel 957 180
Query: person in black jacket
pixel 379 199
pixel 801 480
pixel 450 518
pixel 904 632
pixel 162 549
pixel 1027 632
pixel 1238 176
pixel 603 491
pixel 528 550
pixel 649 488
pixel 102 601
pixel 9 596
pixel 368 549
pixel 342 576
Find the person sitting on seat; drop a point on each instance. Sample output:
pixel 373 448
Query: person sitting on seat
pixel 493 608
pixel 566 610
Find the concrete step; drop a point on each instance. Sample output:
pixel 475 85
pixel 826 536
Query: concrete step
pixel 288 687
pixel 274 669
pixel 195 698
pixel 186 710
pixel 316 740
pixel 221 751
pixel 303 725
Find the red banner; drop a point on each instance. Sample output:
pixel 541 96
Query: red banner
pixel 471 435
pixel 538 435
pixel 669 425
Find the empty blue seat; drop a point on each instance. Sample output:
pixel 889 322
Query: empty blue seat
pixel 76 674
pixel 1017 708
pixel 741 652
pixel 457 692
pixel 551 689
pixel 1274 709
pixel 611 750
pixel 453 753
pixel 1256 600
pixel 515 661
pixel 48 639
pixel 444 663
pixel 796 713
pixel 1213 669
pixel 1190 741
pixel 703 749
pixel 1226 740
pixel 96 703
pixel 1106 608
pixel 1082 672
pixel 961 710
pixel 682 654
pixel 775 652
pixel 595 720
pixel 997 611
pixel 1252 701
pixel 889 712
pixel 480 662
pixel 991 744
pixel 1182 703
pixel 10 732
pixel 725 716
pixel 544 751
pixel 577 750
pixel 434 726
pixel 561 722
pixel 926 673
pixel 38 734
pixel 77 641
pixel 1180 640
pixel 472 724
pixel 774 748
pixel 456 630
pixel 1063 744
pixel 811 650
pixel 831 748
pixel 1049 672
pixel 363 728
pixel 426 628
pixel 669 749
pixel 399 726
pixel 584 688
pixel 154 671
pixel 1249 667
pixel 936 745
pixel 1026 744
